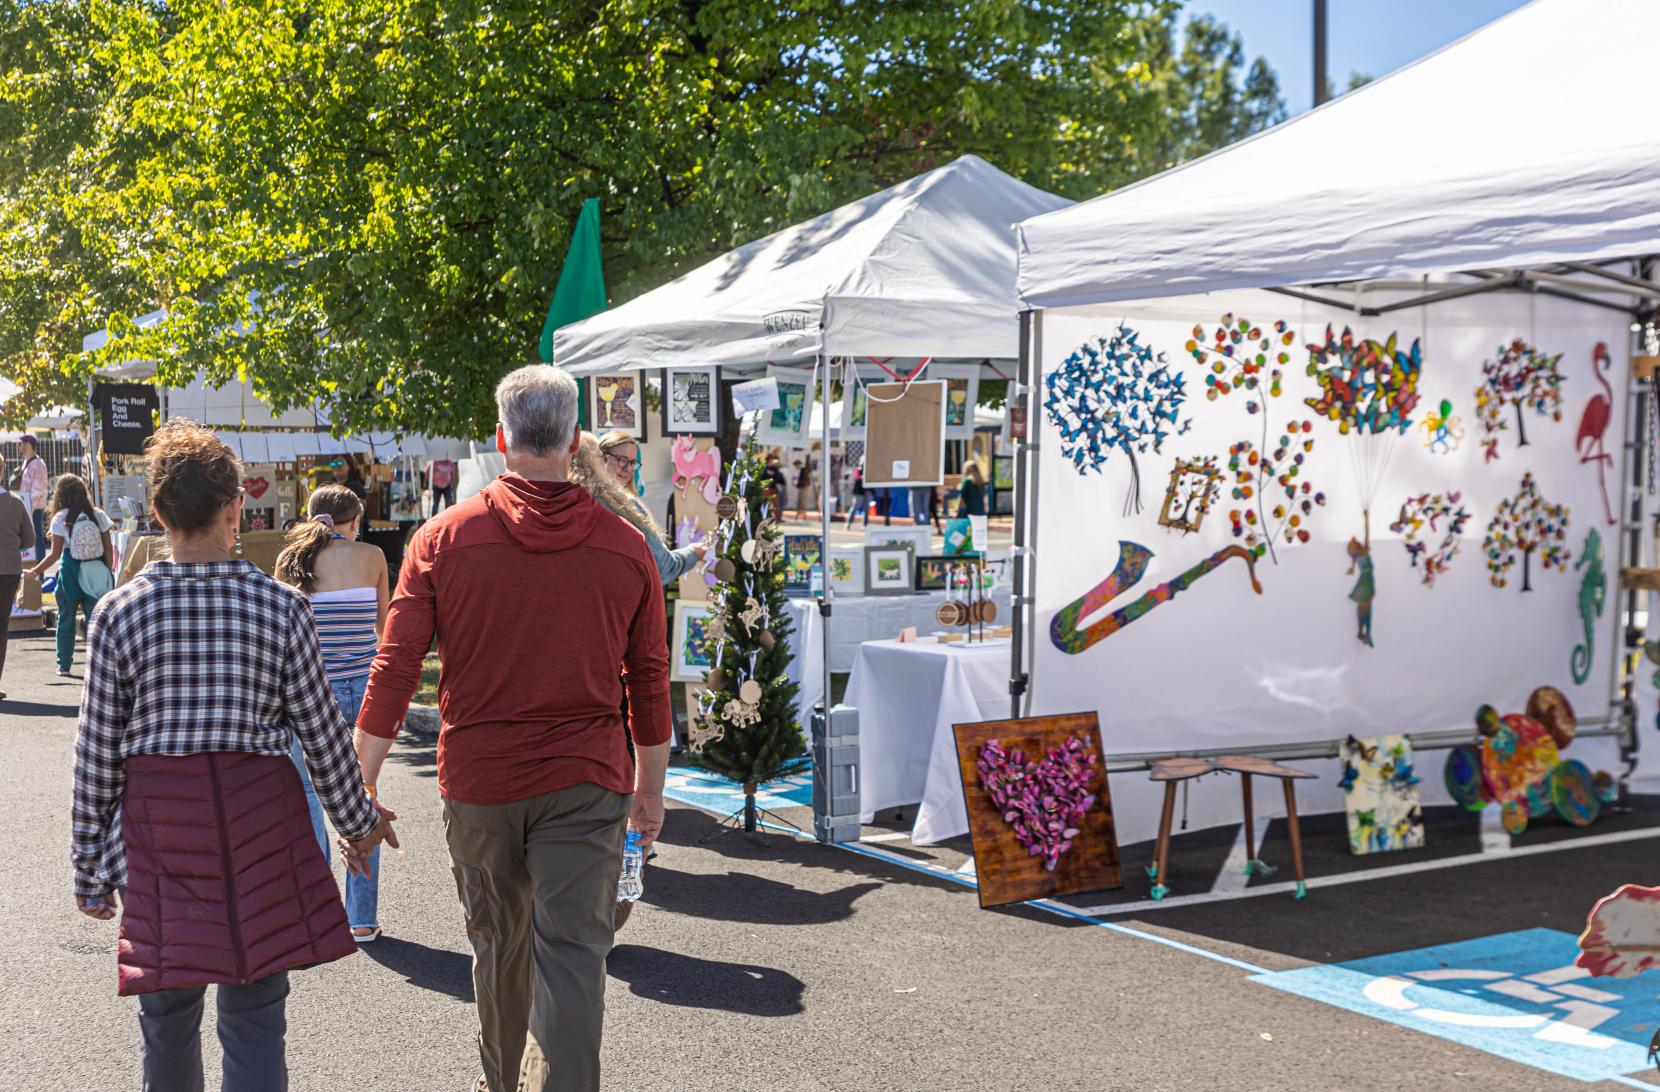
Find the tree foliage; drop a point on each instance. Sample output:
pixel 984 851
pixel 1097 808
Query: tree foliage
pixel 362 203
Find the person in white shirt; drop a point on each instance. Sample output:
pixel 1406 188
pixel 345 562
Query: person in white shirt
pixel 81 537
pixel 34 481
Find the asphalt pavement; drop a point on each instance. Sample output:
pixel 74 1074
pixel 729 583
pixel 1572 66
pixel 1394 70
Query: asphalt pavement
pixel 775 963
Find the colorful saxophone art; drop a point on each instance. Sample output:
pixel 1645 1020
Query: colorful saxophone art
pixel 1132 565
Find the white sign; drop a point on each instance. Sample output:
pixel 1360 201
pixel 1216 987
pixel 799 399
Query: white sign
pixel 901 469
pixel 758 395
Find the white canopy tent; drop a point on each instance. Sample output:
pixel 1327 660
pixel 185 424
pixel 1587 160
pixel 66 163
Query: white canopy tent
pixel 1472 173
pixel 922 269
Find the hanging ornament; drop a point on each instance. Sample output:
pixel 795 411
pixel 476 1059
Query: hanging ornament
pixel 714 629
pixel 748 552
pixel 750 692
pixel 724 570
pixel 716 678
pixel 726 507
pixel 753 614
pixel 766 640
pixel 741 714
pixel 703 731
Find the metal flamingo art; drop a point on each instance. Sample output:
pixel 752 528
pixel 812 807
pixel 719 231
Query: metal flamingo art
pixel 1593 425
pixel 1132 565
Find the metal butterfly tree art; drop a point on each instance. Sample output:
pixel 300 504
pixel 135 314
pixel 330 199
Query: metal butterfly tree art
pixel 1257 475
pixel 1240 356
pixel 1522 377
pixel 1524 525
pixel 1115 394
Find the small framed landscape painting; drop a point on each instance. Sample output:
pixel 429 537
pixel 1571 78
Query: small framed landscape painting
pixel 691 654
pixel 888 569
pixel 933 573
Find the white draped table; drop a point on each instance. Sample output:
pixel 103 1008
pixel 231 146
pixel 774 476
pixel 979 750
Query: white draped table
pixel 909 696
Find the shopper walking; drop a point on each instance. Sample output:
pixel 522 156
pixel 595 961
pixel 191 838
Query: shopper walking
pixel 971 497
pixel 803 486
pixel 80 537
pixel 346 582
pixel 17 533
pixel 860 508
pixel 200 671
pixel 34 482
pixel 605 467
pixel 538 595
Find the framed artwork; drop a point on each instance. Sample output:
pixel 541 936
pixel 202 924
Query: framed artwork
pixel 905 434
pixel 962 389
pixel 918 536
pixel 619 403
pixel 847 571
pixel 888 569
pixel 1380 795
pixel 1045 836
pixel 690 654
pixel 691 401
pixel 855 402
pixel 791 423
pixel 801 553
pixel 934 573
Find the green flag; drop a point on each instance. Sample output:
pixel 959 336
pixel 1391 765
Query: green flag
pixel 581 288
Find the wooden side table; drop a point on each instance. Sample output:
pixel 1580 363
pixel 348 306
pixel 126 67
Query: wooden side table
pixel 1176 769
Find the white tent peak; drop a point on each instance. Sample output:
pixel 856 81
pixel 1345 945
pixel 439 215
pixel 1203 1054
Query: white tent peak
pixel 923 268
pixel 1493 151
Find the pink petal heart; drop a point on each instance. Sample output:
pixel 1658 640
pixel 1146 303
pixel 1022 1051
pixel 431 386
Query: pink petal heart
pixel 1044 802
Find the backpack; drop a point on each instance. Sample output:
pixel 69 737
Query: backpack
pixel 86 540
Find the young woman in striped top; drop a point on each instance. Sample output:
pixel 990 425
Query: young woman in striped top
pixel 347 583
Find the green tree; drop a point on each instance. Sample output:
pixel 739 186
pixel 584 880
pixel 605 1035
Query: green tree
pixel 363 203
pixel 748 741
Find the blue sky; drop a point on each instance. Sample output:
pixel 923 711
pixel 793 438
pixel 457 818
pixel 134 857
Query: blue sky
pixel 1371 36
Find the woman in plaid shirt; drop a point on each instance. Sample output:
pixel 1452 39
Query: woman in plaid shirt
pixel 201 671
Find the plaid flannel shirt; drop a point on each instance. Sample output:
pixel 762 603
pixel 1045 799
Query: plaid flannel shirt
pixel 191 658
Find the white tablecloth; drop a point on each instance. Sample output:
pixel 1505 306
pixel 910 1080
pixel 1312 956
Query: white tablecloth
pixel 909 696
pixel 855 620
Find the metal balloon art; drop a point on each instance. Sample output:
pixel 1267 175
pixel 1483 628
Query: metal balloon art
pixel 1114 394
pixel 1427 511
pixel 1521 377
pixel 1524 525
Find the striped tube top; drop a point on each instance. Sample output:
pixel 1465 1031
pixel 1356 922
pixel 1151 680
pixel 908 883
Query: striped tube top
pixel 346 630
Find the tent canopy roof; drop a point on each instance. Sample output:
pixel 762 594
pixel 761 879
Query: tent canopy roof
pixel 1533 140
pixel 924 268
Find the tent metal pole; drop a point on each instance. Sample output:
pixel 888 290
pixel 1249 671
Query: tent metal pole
pixel 1025 514
pixel 824 519
pixel 1324 301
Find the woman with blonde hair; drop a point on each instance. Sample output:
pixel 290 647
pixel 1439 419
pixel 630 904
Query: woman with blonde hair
pixel 201 670
pixel 608 467
pixel 346 581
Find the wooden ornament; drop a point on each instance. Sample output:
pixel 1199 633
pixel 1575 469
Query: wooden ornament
pixel 952 613
pixel 986 611
pixel 750 692
pixel 726 507
pixel 747 551
pixel 724 570
pixel 716 679
pixel 766 640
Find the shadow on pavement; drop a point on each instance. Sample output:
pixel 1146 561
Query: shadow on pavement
pixel 436 969
pixel 39 709
pixel 739 896
pixel 676 979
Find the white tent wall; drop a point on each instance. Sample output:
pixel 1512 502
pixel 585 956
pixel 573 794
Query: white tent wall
pixel 1221 667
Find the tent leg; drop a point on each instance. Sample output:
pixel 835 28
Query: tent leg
pixel 824 601
pixel 1025 480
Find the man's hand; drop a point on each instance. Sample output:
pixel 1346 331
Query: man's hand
pixel 646 816
pixel 701 550
pixel 103 907
pixel 357 853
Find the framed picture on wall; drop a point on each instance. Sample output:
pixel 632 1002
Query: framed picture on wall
pixel 790 424
pixel 889 569
pixel 691 401
pixel 847 571
pixel 962 388
pixel 919 536
pixel 618 404
pixel 690 655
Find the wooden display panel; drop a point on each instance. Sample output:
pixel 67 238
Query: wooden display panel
pixel 1007 872
pixel 905 424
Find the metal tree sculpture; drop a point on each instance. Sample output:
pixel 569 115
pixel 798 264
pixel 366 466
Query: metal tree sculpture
pixel 1256 474
pixel 1238 354
pixel 1114 393
pixel 1522 377
pixel 1524 525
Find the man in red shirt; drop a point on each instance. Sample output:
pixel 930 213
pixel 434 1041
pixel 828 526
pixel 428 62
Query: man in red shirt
pixel 547 607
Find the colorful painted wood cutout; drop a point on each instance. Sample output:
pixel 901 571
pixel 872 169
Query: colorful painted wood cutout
pixel 1114 394
pixel 1521 766
pixel 1593 589
pixel 1380 795
pixel 1622 933
pixel 1132 565
pixel 1521 377
pixel 1194 485
pixel 1523 525
pixel 1593 426
pixel 1039 807
pixel 1436 514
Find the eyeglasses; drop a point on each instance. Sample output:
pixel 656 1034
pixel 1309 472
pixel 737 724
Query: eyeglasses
pixel 624 460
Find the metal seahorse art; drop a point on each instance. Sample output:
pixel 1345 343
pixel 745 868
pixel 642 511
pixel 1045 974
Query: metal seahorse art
pixel 1131 567
pixel 1593 590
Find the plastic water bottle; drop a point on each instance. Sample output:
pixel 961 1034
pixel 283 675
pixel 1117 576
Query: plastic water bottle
pixel 631 885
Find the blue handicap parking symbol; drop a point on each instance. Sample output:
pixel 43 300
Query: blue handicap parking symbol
pixel 1517 995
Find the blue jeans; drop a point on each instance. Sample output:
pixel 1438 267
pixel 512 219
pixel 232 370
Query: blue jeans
pixel 362 895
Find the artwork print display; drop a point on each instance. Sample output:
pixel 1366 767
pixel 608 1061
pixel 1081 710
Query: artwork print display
pixel 801 553
pixel 789 424
pixel 847 571
pixel 691 402
pixel 888 569
pixel 618 404
pixel 691 653
pixel 962 390
pixel 1380 795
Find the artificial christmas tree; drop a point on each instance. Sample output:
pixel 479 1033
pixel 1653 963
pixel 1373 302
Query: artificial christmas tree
pixel 746 728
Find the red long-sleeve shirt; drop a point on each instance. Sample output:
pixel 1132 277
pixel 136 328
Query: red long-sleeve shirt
pixel 545 606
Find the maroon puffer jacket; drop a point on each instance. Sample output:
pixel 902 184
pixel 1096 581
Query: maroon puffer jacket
pixel 225 881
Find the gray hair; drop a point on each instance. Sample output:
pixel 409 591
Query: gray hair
pixel 536 405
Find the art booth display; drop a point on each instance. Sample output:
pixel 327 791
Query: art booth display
pixel 1342 524
pixel 962 390
pixel 1039 807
